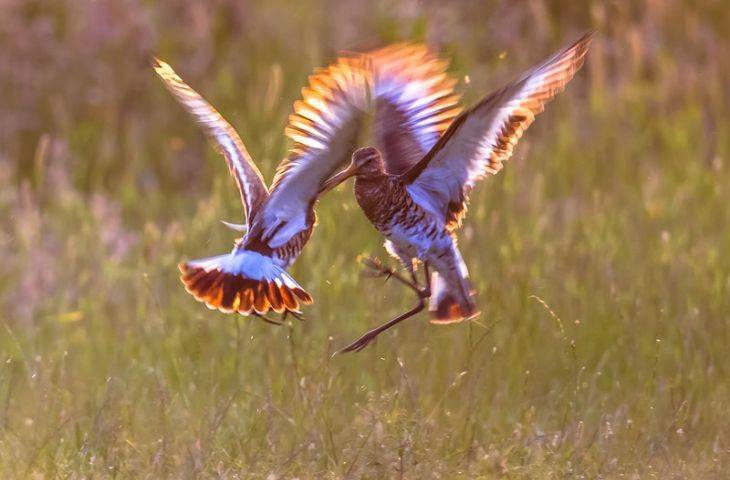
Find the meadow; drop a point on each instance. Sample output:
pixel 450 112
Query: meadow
pixel 600 253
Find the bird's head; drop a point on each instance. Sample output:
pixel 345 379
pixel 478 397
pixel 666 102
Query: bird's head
pixel 366 161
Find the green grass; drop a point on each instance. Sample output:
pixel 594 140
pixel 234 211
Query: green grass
pixel 599 254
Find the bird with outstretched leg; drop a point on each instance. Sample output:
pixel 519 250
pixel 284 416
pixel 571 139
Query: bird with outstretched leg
pixel 252 279
pixel 419 209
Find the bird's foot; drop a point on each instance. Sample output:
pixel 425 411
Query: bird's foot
pixel 298 315
pixel 268 319
pixel 370 335
pixel 374 268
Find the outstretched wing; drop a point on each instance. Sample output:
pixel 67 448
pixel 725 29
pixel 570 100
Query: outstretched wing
pixel 483 137
pixel 248 178
pixel 324 129
pixel 414 103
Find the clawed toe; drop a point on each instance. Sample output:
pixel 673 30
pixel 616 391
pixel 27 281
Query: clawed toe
pixel 280 321
pixel 365 340
pixel 374 268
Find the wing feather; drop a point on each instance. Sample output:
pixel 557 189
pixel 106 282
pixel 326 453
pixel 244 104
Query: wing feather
pixel 324 129
pixel 248 178
pixel 481 139
pixel 414 102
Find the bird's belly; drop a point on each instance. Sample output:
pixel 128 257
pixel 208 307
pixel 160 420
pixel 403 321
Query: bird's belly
pixel 403 245
pixel 440 252
pixel 417 242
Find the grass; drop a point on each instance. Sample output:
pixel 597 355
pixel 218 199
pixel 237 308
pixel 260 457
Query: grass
pixel 599 255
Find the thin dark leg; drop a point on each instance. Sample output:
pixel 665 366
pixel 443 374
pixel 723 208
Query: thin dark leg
pixel 363 341
pixel 297 315
pixel 267 319
pixel 423 294
pixel 426 292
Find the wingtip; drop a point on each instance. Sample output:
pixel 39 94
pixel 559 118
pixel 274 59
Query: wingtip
pixel 588 35
pixel 576 52
pixel 584 42
pixel 163 69
pixel 156 63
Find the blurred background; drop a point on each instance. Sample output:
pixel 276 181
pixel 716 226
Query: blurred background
pixel 600 253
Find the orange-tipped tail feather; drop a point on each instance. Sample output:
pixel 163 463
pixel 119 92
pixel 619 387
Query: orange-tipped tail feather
pixel 243 282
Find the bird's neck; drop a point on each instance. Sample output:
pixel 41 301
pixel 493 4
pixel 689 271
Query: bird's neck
pixel 375 193
pixel 371 179
pixel 372 173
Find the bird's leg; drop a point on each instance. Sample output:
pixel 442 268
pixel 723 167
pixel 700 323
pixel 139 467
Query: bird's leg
pixel 298 315
pixel 377 269
pixel 426 291
pixel 423 294
pixel 267 319
pixel 363 341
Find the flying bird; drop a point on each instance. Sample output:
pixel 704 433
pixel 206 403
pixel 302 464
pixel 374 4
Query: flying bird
pixel 417 199
pixel 403 82
pixel 252 278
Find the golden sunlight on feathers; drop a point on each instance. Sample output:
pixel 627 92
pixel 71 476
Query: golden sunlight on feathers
pixel 414 102
pixel 234 293
pixel 482 138
pixel 248 178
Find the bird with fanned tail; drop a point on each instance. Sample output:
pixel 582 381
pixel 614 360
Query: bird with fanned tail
pixel 414 192
pixel 252 279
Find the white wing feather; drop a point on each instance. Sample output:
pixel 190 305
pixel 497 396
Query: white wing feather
pixel 414 103
pixel 323 127
pixel 248 178
pixel 482 138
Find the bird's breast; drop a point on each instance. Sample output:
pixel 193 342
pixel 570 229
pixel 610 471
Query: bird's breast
pixel 381 200
pixel 390 208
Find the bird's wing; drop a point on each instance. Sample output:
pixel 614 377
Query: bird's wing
pixel 414 102
pixel 248 178
pixel 479 140
pixel 324 129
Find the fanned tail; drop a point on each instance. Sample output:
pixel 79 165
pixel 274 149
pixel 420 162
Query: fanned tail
pixel 243 281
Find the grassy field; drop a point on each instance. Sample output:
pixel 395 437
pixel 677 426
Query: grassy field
pixel 600 253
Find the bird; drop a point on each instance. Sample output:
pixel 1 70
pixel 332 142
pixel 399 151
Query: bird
pixel 324 127
pixel 420 209
pixel 252 278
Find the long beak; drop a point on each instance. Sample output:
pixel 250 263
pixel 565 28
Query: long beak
pixel 338 178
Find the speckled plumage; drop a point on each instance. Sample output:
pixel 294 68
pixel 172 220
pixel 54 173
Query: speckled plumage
pixel 402 79
pixel 413 233
pixel 420 209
